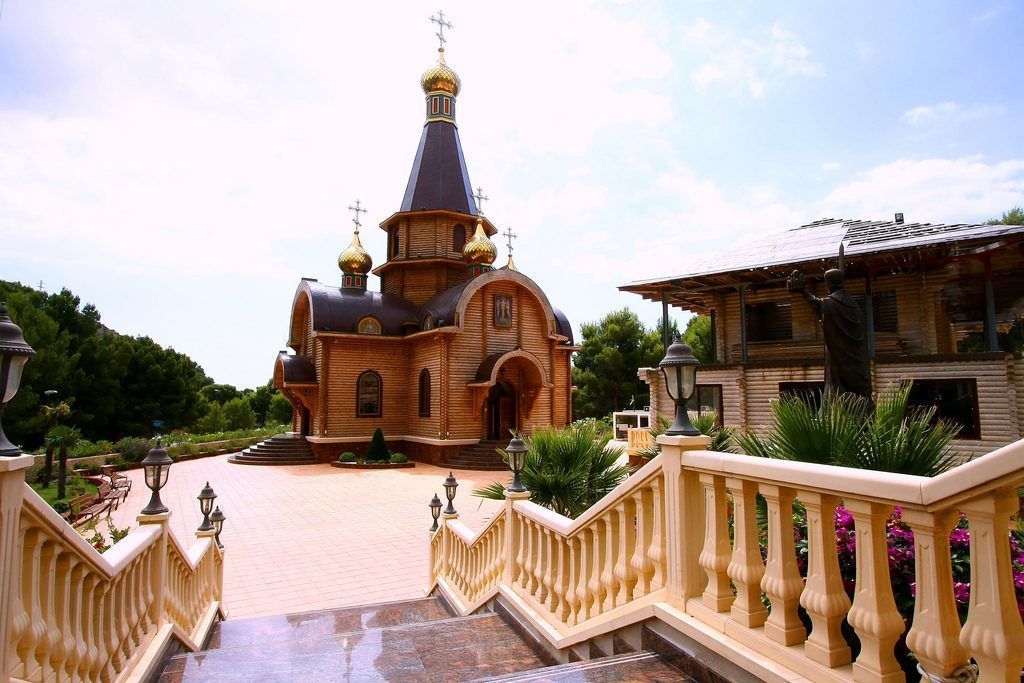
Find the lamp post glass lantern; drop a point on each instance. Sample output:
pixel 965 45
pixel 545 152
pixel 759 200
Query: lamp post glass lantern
pixel 435 510
pixel 156 466
pixel 516 461
pixel 218 517
pixel 206 498
pixel 14 354
pixel 449 491
pixel 679 366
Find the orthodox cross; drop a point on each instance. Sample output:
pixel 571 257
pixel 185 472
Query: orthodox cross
pixel 441 26
pixel 480 198
pixel 356 210
pixel 509 236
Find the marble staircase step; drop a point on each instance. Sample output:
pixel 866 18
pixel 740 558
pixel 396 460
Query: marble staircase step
pixel 454 649
pixel 636 667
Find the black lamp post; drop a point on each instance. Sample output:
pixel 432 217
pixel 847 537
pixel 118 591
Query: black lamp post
pixel 156 465
pixel 449 491
pixel 435 510
pixel 206 498
pixel 516 461
pixel 680 369
pixel 218 517
pixel 14 353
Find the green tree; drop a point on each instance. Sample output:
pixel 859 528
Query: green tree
pixel 378 451
pixel 62 439
pixel 53 414
pixel 238 414
pixel 280 411
pixel 605 369
pixel 567 470
pixel 213 421
pixel 260 398
pixel 1014 216
pixel 221 393
pixel 698 336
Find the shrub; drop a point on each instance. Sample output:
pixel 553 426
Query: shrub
pixel 378 450
pixel 398 459
pixel 347 456
pixel 61 507
pixel 567 470
pixel 133 449
pixel 238 414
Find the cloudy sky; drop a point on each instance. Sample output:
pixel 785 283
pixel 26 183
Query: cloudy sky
pixel 182 164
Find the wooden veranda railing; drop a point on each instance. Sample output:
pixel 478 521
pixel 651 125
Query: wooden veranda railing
pixel 679 541
pixel 68 613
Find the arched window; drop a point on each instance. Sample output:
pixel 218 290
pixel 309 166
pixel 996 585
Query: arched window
pixel 458 237
pixel 428 322
pixel 368 395
pixel 368 325
pixel 424 393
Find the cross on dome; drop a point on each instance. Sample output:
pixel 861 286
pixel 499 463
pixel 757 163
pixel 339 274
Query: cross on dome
pixel 509 236
pixel 480 198
pixel 441 26
pixel 356 210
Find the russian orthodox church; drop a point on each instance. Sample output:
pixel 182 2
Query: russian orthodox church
pixel 452 351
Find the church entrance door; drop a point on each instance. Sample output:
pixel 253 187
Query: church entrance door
pixel 501 411
pixel 304 426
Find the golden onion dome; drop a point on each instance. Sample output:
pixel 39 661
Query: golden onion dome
pixel 480 250
pixel 355 260
pixel 441 77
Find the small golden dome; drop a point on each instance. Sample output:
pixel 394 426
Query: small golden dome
pixel 441 77
pixel 480 250
pixel 354 260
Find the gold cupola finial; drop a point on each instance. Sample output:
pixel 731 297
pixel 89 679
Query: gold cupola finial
pixel 355 262
pixel 441 78
pixel 480 251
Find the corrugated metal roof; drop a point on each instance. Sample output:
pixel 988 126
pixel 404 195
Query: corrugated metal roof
pixel 820 240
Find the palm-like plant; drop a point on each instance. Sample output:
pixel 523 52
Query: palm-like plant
pixel 53 414
pixel 706 423
pixel 61 439
pixel 849 431
pixel 567 470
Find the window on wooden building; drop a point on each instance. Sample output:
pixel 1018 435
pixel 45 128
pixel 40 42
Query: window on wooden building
pixel 424 393
pixel 368 325
pixel 707 398
pixel 393 235
pixel 808 392
pixel 428 322
pixel 954 400
pixel 458 237
pixel 368 395
pixel 884 306
pixel 769 321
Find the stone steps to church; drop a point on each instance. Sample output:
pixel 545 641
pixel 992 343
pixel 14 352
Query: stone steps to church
pixel 417 641
pixel 282 449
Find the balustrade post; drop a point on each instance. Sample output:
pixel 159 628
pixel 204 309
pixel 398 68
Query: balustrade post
pixel 782 582
pixel 158 578
pixel 684 519
pixel 874 615
pixel 12 485
pixel 513 539
pixel 746 568
pixel 993 632
pixel 824 596
pixel 934 637
pixel 715 557
pixel 211 575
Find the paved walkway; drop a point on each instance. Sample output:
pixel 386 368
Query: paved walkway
pixel 314 536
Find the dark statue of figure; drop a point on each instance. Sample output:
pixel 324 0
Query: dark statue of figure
pixel 847 369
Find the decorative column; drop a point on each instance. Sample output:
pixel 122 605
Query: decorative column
pixel 746 568
pixel 824 597
pixel 513 535
pixel 714 557
pixel 12 485
pixel 782 581
pixel 158 577
pixel 684 519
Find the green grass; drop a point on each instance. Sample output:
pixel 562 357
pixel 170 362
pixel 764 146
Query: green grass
pixel 49 494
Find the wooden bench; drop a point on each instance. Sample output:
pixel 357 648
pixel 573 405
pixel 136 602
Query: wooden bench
pixel 120 483
pixel 88 506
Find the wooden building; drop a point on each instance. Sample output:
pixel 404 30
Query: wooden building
pixel 452 351
pixel 945 304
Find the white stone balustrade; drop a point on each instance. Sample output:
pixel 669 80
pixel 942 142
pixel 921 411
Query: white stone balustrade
pixel 661 541
pixel 68 613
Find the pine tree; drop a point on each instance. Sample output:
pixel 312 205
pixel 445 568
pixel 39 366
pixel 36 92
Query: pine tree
pixel 378 450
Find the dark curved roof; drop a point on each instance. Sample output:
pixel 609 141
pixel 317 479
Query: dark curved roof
pixel 562 325
pixel 297 369
pixel 442 306
pixel 339 310
pixel 439 179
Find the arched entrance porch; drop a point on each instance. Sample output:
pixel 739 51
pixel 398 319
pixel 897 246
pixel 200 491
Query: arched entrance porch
pixel 501 414
pixel 504 392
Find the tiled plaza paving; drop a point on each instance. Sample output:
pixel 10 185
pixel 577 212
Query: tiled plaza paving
pixel 313 536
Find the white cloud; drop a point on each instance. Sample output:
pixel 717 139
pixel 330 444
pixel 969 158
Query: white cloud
pixel 949 111
pixel 746 63
pixel 929 190
pixel 991 13
pixel 831 166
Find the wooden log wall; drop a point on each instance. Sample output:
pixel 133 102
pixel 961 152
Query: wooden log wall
pixel 345 358
pixel 425 354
